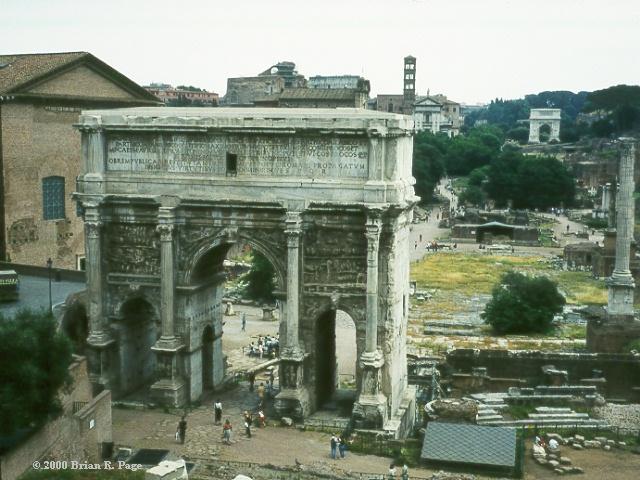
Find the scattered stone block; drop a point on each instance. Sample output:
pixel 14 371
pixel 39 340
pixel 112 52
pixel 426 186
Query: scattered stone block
pixel 554 436
pixel 601 439
pixel 622 444
pixel 538 451
pixel 607 447
pixel 565 460
pixel 552 456
pixel 579 438
pixel 286 421
pixel 558 471
pixel 541 461
pixel 611 443
pixel 577 446
pixel 554 463
pixel 577 470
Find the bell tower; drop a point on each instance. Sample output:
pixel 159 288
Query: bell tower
pixel 409 80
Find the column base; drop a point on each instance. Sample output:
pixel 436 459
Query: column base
pixel 370 411
pixel 292 403
pixel 168 344
pixel 99 362
pixel 169 392
pixel 100 340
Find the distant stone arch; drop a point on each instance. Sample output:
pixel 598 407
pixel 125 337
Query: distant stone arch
pixel 544 116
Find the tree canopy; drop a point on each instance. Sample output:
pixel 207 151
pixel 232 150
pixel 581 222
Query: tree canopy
pixel 428 162
pixel 522 304
pixel 34 366
pixel 261 278
pixel 529 181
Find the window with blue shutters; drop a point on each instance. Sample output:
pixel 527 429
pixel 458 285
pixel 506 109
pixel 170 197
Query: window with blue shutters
pixel 53 198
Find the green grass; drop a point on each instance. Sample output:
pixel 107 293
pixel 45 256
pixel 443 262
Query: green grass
pixel 472 274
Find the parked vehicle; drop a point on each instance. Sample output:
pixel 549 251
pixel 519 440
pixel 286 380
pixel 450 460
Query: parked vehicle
pixel 9 286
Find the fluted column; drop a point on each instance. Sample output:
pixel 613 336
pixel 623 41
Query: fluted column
pixel 370 410
pixel 293 234
pixel 372 234
pixel 166 229
pixel 621 284
pixel 293 399
pixel 98 334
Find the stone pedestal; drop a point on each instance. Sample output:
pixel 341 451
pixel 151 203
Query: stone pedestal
pixel 370 410
pixel 170 388
pixel 100 354
pixel 293 399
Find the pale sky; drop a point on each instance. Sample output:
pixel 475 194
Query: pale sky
pixel 470 50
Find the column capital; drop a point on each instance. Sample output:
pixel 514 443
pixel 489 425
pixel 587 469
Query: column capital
pixel 93 227
pixel 293 223
pixel 90 128
pixel 166 231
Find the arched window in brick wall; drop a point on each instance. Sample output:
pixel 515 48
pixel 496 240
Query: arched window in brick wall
pixel 53 198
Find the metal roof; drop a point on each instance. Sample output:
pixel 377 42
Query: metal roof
pixel 469 444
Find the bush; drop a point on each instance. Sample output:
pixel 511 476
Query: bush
pixel 521 304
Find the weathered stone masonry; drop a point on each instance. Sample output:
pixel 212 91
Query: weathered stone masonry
pixel 325 195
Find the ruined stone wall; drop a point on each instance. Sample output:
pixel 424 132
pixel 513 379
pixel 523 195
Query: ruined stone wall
pixel 39 141
pixel 621 371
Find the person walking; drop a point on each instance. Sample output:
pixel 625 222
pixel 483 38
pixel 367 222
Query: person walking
pixel 405 472
pixel 182 429
pixel 252 380
pixel 244 322
pixel 342 446
pixel 226 432
pixel 247 423
pixel 334 445
pixel 261 393
pixel 262 420
pixel 217 410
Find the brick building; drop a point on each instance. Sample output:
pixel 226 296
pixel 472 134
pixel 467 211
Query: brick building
pixel 194 96
pixel 41 96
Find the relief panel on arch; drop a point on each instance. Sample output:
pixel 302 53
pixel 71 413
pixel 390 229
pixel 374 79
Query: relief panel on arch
pixel 133 249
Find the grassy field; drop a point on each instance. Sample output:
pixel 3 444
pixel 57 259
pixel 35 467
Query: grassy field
pixel 460 284
pixel 472 274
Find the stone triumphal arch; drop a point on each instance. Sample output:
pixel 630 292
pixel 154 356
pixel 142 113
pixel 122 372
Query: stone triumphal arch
pixel 325 195
pixel 540 117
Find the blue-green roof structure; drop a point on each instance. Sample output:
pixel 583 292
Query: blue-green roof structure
pixel 470 445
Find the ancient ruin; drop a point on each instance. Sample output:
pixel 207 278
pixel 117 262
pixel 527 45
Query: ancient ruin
pixel 612 332
pixel 540 117
pixel 325 195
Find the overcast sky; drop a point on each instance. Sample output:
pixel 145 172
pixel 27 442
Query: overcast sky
pixel 470 50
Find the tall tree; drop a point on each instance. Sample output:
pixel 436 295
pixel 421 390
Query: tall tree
pixel 428 166
pixel 261 279
pixel 34 366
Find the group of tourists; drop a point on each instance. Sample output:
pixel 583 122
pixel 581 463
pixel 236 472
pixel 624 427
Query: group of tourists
pixel 265 347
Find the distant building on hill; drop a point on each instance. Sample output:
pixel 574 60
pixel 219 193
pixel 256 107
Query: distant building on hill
pixel 183 96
